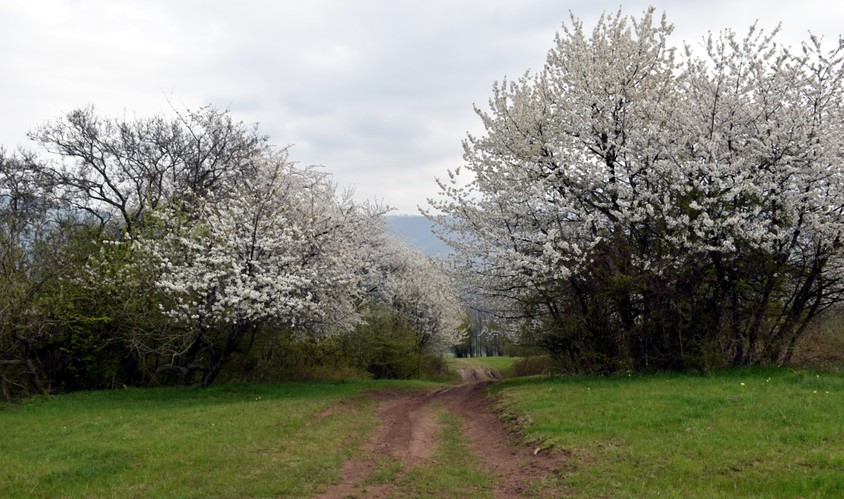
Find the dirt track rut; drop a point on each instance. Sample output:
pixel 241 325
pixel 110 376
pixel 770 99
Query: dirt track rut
pixel 409 432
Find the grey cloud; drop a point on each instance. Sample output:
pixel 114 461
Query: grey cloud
pixel 379 91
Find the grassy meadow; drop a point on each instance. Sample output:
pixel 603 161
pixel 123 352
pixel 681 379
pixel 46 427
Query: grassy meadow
pixel 774 432
pixel 225 441
pixel 501 364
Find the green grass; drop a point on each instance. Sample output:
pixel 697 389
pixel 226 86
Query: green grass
pixel 501 364
pixel 752 433
pixel 231 440
pixel 452 472
pixel 742 433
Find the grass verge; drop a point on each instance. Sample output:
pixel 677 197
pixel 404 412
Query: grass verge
pixel 230 440
pixel 770 432
pixel 500 364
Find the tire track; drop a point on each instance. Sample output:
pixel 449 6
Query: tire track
pixel 409 432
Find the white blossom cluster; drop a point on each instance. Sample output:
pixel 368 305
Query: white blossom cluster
pixel 285 248
pixel 419 287
pixel 203 243
pixel 623 142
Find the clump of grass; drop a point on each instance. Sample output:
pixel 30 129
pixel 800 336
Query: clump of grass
pixel 768 432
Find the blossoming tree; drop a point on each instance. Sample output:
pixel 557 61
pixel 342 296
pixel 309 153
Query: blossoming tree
pixel 630 206
pixel 421 289
pixel 201 238
pixel 119 169
pixel 284 251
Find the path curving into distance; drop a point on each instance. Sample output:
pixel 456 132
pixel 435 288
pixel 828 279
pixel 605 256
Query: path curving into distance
pixel 409 432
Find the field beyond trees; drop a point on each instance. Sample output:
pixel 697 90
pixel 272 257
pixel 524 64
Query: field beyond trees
pixel 751 432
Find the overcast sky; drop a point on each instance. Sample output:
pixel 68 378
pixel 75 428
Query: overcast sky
pixel 380 92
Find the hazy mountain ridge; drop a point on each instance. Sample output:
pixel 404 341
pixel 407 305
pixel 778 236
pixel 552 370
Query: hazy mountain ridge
pixel 418 231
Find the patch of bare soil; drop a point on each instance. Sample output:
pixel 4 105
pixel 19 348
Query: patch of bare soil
pixel 409 432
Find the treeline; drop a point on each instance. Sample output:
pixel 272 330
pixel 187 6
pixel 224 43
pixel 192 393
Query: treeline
pixel 176 249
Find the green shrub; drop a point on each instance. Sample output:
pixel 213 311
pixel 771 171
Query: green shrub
pixel 384 347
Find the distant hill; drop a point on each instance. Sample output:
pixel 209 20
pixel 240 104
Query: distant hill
pixel 418 232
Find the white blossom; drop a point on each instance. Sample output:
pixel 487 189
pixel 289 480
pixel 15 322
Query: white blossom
pixel 619 145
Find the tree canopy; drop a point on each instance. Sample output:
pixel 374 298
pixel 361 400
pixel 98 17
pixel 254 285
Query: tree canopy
pixel 635 206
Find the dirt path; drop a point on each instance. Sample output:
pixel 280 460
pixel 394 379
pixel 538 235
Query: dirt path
pixel 409 432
